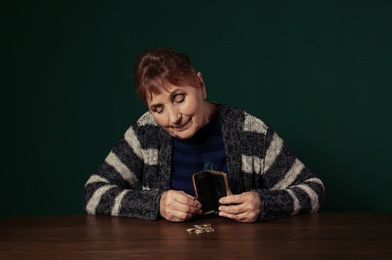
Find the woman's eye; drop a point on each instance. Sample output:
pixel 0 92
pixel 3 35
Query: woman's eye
pixel 179 98
pixel 158 109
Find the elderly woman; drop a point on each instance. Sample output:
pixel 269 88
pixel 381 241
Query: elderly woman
pixel 177 136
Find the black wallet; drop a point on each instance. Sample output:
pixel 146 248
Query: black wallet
pixel 209 187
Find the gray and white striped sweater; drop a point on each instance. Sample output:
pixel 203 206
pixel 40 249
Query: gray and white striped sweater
pixel 257 159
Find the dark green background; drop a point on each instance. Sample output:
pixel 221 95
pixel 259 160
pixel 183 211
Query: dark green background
pixel 318 72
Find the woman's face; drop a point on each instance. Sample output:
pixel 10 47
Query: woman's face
pixel 181 110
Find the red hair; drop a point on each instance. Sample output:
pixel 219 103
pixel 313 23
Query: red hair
pixel 156 69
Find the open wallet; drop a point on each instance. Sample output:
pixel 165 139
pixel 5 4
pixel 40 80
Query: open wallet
pixel 209 187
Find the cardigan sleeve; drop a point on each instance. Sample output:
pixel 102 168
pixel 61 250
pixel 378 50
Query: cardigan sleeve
pixel 288 186
pixel 259 160
pixel 115 188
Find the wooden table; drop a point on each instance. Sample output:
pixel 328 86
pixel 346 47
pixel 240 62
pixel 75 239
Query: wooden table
pixel 313 236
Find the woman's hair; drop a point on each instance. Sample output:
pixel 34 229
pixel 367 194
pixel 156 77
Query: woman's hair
pixel 156 69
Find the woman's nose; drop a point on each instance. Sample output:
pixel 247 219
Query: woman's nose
pixel 174 115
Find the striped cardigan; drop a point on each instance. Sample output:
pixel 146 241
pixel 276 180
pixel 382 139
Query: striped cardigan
pixel 257 160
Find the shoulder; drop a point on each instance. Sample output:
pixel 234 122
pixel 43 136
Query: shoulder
pixel 145 129
pixel 146 119
pixel 239 117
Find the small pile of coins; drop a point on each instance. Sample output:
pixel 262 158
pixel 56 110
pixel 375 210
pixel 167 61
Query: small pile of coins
pixel 200 229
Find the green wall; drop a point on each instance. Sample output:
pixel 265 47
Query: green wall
pixel 318 72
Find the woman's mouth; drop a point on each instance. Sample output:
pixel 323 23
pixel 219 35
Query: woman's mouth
pixel 182 127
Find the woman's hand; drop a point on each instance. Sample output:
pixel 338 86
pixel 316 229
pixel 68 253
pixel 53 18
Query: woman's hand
pixel 245 207
pixel 178 206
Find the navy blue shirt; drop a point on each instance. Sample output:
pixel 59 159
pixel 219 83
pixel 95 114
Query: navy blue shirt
pixel 192 155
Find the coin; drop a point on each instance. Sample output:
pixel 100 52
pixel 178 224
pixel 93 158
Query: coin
pixel 200 229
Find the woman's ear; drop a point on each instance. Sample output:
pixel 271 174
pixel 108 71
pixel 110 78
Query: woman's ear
pixel 200 76
pixel 202 85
